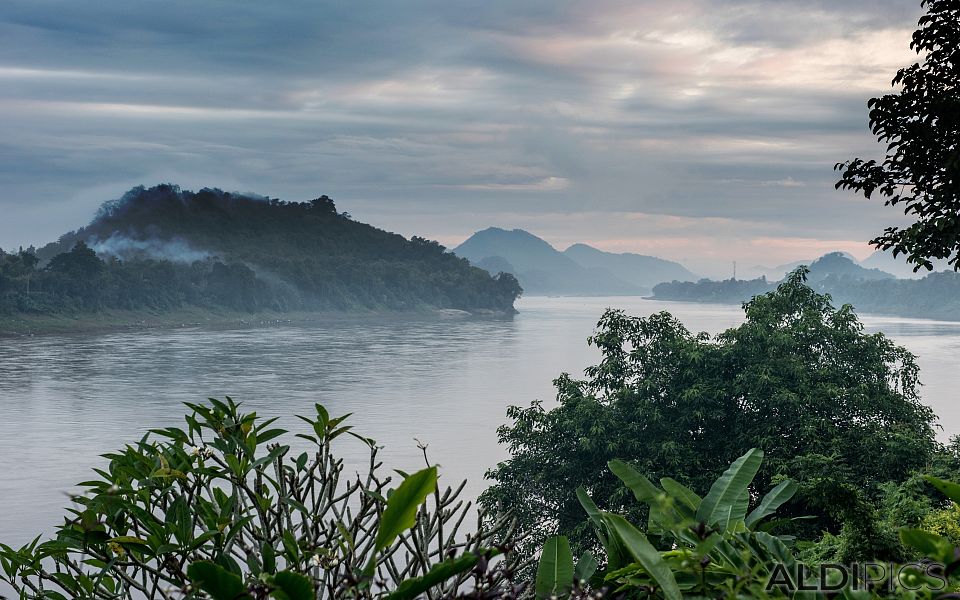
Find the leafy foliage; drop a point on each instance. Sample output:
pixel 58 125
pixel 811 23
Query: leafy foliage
pixel 834 409
pixel 222 510
pixel 921 126
pixel 712 548
pixel 555 569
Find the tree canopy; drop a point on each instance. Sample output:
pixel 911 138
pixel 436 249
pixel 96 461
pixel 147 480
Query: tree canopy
pixel 921 126
pixel 833 408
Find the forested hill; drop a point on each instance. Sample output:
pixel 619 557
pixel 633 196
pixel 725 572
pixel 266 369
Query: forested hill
pixel 164 248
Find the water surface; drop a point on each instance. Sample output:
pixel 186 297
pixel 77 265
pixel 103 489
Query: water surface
pixel 67 399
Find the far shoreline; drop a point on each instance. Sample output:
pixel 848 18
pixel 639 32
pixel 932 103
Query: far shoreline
pixel 120 321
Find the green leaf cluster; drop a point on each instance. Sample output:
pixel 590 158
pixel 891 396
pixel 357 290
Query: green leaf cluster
pixel 221 509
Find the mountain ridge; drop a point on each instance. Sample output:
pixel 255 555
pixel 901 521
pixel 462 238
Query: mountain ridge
pixel 641 270
pixel 541 268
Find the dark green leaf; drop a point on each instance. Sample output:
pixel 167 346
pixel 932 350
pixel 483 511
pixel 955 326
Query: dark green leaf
pixel 438 573
pixel 216 581
pixel 555 571
pixel 402 506
pixel 728 499
pixel 288 585
pixel 643 552
pixel 773 500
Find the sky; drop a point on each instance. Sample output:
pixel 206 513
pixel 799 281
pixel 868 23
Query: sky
pixel 703 131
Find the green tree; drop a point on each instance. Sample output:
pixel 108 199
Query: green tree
pixel 921 126
pixel 833 408
pixel 80 263
pixel 78 275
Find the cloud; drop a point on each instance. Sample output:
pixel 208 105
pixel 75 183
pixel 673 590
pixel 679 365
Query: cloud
pixel 441 117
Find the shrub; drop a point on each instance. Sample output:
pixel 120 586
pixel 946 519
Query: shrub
pixel 222 510
pixel 716 547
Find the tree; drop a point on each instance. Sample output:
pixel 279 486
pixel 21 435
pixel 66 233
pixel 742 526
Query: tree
pixel 508 287
pixel 832 407
pixel 80 263
pixel 921 127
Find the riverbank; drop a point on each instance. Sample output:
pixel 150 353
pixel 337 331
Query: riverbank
pixel 20 325
pixel 949 314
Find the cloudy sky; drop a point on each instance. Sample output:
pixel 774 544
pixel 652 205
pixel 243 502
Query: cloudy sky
pixel 698 130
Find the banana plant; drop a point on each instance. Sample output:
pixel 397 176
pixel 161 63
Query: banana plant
pixel 713 542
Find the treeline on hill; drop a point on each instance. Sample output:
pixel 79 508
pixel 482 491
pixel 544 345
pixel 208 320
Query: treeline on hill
pixel 164 248
pixel 936 296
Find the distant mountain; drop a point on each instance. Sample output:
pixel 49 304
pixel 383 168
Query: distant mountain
pixel 637 269
pixel 831 271
pixel 164 249
pixel 773 273
pixel 521 249
pixel 780 271
pixel 935 296
pixel 838 265
pixel 496 264
pixel 540 268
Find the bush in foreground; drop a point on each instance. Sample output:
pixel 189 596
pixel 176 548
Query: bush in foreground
pixel 726 545
pixel 221 510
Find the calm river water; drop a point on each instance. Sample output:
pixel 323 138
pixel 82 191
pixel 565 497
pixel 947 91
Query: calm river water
pixel 67 399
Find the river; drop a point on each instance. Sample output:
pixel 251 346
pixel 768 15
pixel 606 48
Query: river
pixel 67 399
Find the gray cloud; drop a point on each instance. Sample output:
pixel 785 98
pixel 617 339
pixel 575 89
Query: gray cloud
pixel 438 118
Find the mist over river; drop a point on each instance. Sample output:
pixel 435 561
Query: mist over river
pixel 67 399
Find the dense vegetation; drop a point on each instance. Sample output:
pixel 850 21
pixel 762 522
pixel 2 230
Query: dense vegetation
pixel 723 545
pixel 222 510
pixel 164 248
pixel 727 291
pixel 833 408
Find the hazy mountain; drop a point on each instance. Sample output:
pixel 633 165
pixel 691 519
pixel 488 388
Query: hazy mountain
pixel 521 249
pixel 772 273
pixel 638 269
pixel 540 268
pixel 830 271
pixel 936 295
pixel 496 264
pixel 779 272
pixel 838 265
pixel 164 248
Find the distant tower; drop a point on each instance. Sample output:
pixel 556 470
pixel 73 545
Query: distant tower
pixel 734 270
